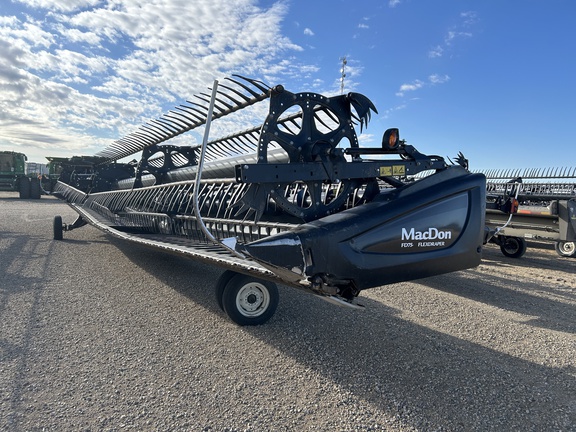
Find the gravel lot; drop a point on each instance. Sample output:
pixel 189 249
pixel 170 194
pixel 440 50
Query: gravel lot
pixel 99 334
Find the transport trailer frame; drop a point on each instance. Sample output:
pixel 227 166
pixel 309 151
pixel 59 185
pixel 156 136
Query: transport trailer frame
pixel 545 209
pixel 300 202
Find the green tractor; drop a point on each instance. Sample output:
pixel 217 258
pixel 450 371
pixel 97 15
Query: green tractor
pixel 13 176
pixel 55 168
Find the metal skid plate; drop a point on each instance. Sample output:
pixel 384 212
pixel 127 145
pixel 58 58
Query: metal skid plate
pixel 212 254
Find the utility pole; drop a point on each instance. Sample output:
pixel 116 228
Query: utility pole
pixel 343 73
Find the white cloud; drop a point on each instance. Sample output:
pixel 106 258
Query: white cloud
pixel 469 17
pixel 94 70
pixel 363 26
pixel 308 32
pixel 394 3
pixel 437 51
pixel 74 35
pixel 433 79
pixel 452 35
pixel 438 79
pixel 24 34
pixel 409 87
pixel 455 33
pixel 365 139
pixel 59 5
pixel 388 112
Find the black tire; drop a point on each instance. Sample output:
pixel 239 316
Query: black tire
pixel 35 190
pixel 58 228
pixel 249 301
pixel 512 247
pixel 24 187
pixel 221 284
pixel 565 249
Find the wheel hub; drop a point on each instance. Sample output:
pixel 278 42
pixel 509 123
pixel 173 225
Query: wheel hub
pixel 252 300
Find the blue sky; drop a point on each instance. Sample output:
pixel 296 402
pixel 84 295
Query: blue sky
pixel 494 79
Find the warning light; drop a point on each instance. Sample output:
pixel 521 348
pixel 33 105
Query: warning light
pixel 391 139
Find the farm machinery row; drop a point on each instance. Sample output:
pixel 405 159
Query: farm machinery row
pixel 13 176
pixel 294 200
pixel 17 176
pixel 544 206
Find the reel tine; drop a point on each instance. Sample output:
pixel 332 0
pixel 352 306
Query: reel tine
pixel 258 84
pixel 216 106
pixel 173 123
pixel 154 131
pixel 188 117
pixel 236 92
pixel 197 118
pixel 199 109
pixel 164 126
pixel 319 120
pixel 226 104
pixel 145 139
pixel 172 115
pixel 249 140
pixel 235 145
pixel 227 95
pixel 245 87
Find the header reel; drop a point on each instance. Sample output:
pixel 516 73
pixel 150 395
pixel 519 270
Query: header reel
pixel 366 223
pixel 324 166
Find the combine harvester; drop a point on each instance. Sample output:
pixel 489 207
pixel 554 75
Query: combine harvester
pixel 295 200
pixel 13 176
pixel 545 208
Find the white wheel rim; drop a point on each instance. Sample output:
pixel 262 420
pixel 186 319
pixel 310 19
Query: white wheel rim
pixel 253 299
pixel 568 247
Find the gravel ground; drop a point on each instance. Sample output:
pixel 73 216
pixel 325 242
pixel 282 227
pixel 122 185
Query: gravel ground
pixel 99 334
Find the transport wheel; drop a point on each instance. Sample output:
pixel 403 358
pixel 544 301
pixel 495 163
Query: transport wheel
pixel 35 190
pixel 24 187
pixel 512 247
pixel 249 301
pixel 565 249
pixel 58 228
pixel 221 284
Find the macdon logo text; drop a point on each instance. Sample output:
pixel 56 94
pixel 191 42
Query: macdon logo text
pixel 430 234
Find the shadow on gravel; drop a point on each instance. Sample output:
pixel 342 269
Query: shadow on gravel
pixel 45 200
pixel 398 367
pixel 501 292
pixel 511 295
pixel 22 282
pixel 13 264
pixel 541 258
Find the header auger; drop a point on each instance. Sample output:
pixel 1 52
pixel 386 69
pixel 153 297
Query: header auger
pixel 295 200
